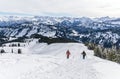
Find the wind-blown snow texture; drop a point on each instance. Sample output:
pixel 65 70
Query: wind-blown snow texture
pixel 42 61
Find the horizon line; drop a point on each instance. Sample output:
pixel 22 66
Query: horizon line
pixel 47 15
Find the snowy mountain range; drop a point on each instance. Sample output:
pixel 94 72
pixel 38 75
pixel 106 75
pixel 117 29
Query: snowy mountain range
pixel 104 30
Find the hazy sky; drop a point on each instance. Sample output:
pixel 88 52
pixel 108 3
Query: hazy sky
pixel 77 8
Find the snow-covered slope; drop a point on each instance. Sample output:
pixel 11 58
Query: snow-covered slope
pixel 42 61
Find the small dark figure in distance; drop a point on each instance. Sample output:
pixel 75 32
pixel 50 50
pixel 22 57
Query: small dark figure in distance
pixel 84 54
pixel 68 54
pixel 19 51
pixel 12 50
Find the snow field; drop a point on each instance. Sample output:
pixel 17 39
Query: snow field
pixel 42 61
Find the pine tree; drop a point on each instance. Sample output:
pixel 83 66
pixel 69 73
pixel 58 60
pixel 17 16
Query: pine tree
pixel 97 52
pixel 91 46
pixel 18 44
pixel 19 51
pixel 111 56
pixel 118 58
pixel 12 50
pixel 2 51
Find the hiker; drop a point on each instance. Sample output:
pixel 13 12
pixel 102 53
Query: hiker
pixel 68 54
pixel 84 54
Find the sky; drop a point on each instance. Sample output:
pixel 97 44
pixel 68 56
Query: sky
pixel 74 8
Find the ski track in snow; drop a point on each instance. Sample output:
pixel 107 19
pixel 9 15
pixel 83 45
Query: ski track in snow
pixel 50 62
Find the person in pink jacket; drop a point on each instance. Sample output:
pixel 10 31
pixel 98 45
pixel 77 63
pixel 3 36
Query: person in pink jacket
pixel 68 54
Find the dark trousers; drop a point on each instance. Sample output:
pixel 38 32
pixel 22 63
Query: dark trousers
pixel 83 56
pixel 67 56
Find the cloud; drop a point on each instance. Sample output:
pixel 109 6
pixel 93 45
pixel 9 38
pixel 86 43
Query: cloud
pixel 90 8
pixel 13 13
